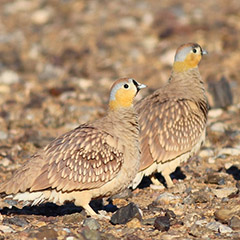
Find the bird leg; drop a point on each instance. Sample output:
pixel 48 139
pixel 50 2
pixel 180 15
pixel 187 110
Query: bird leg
pixel 166 174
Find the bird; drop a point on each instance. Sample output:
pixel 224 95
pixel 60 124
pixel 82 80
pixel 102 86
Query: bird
pixel 173 118
pixel 97 159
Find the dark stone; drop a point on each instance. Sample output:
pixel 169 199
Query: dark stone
pixel 221 92
pixel 15 221
pixel 125 214
pixel 91 223
pixel 154 207
pixel 162 223
pixel 234 223
pixel 170 214
pixel 214 178
pixel 201 197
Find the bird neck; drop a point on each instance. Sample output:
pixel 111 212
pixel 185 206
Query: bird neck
pixel 124 121
pixel 188 84
pixel 183 66
pixel 115 105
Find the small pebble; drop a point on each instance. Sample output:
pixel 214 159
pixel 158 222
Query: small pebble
pixel 5 162
pixel 229 151
pixel 70 238
pixel 42 16
pixel 218 127
pixel 3 135
pixel 224 229
pixel 235 223
pixel 92 223
pixel 75 217
pixel 224 192
pixel 21 222
pixel 126 214
pixel 199 231
pixel 125 194
pixel 215 113
pixel 91 234
pixel 213 226
pixel 215 178
pixel 9 77
pixel 179 188
pixel 201 197
pixel 206 153
pixel 225 214
pixel 6 229
pixel 162 223
pixel 167 198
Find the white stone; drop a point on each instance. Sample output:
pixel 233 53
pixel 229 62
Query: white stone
pixel 227 165
pixel 218 127
pixel 167 198
pixel 224 192
pixel 214 113
pixel 5 162
pixel 3 135
pixel 211 160
pixel 224 229
pixel 70 238
pixel 206 153
pixel 42 16
pixel 6 229
pixel 9 77
pixel 219 227
pixel 229 151
pixel 128 23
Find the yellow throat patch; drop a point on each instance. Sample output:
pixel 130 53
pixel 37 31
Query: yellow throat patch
pixel 123 99
pixel 191 61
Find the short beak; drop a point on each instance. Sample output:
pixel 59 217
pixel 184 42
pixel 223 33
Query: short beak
pixel 138 85
pixel 204 52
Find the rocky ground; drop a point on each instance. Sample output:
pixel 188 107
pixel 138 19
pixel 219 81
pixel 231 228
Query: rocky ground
pixel 58 60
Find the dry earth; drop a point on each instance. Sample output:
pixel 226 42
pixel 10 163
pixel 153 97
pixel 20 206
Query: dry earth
pixel 58 60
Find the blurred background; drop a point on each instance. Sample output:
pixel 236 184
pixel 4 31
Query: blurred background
pixel 58 59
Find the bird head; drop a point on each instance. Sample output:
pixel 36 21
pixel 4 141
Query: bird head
pixel 123 92
pixel 188 56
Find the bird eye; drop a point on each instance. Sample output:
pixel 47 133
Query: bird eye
pixel 194 50
pixel 126 86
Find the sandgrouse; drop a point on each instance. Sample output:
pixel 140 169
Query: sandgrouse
pixel 173 118
pixel 96 159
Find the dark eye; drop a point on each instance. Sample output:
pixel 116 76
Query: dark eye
pixel 194 50
pixel 126 86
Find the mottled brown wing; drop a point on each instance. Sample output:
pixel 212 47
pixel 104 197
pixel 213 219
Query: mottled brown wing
pixel 84 158
pixel 169 128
